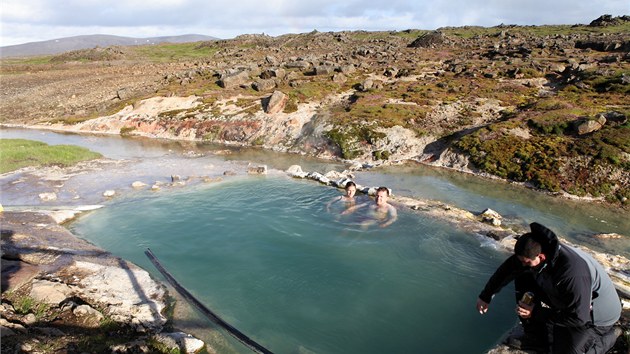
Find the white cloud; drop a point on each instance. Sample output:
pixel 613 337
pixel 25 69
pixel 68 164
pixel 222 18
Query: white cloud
pixel 22 11
pixel 34 20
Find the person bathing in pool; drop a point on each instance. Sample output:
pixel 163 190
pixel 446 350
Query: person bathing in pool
pixel 348 198
pixel 380 212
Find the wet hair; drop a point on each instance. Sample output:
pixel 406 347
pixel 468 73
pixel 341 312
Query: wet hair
pixel 381 189
pixel 527 247
pixel 350 184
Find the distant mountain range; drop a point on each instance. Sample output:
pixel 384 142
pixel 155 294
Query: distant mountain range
pixel 61 45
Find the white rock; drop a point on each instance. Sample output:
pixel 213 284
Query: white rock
pixel 129 294
pixel 92 316
pixel 325 180
pixel 61 216
pixel 180 340
pixel 492 217
pixel 334 175
pixel 30 319
pixel 86 310
pixel 296 171
pixel 138 184
pixel 491 213
pixel 192 345
pixel 25 348
pixel 46 197
pixel 109 193
pixel 315 175
pixel 50 292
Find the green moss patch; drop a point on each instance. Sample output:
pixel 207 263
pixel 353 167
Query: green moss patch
pixel 18 153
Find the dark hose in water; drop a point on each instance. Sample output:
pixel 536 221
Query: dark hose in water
pixel 248 342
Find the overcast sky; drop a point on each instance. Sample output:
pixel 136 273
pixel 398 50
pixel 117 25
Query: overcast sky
pixel 36 20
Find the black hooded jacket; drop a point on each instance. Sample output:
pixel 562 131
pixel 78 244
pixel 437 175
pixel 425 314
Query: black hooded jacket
pixel 570 279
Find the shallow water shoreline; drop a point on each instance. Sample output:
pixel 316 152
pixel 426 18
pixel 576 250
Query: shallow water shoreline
pixel 357 163
pixel 459 217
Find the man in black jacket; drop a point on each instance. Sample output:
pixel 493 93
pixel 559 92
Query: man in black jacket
pixel 575 302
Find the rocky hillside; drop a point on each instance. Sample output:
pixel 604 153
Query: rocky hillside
pixel 543 105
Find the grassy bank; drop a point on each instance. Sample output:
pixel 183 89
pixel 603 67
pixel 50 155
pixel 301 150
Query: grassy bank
pixel 18 153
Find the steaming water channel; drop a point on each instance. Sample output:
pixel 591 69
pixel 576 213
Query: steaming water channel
pixel 264 253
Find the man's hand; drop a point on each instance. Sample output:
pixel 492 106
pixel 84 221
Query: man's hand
pixel 524 310
pixel 482 306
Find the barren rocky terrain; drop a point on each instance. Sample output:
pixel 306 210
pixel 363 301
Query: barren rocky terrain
pixel 546 106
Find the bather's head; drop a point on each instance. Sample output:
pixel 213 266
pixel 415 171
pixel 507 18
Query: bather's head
pixel 382 193
pixel 351 189
pixel 528 251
